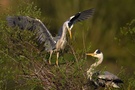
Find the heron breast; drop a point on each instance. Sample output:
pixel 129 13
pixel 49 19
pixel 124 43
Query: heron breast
pixel 61 44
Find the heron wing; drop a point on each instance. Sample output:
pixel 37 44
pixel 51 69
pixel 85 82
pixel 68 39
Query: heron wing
pixel 27 23
pixel 80 16
pixel 109 77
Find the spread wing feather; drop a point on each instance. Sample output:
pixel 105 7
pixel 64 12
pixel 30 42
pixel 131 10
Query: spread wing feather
pixel 77 18
pixel 27 23
pixel 81 16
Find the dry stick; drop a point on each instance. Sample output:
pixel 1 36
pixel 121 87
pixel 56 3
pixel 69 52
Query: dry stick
pixel 8 56
pixel 76 59
pixel 23 66
pixel 84 50
pixel 74 53
pixel 33 63
pixel 39 68
pixel 43 76
pixel 29 60
pixel 32 46
pixel 11 58
pixel 40 74
pixel 74 56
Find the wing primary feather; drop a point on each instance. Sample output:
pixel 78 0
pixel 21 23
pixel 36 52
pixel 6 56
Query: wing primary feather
pixel 81 16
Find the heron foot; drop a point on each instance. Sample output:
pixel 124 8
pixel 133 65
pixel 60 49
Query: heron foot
pixel 49 62
pixel 57 63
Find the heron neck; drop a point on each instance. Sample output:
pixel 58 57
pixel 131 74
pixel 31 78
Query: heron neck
pixel 64 32
pixel 93 66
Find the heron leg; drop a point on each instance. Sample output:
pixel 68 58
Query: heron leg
pixel 50 57
pixel 57 62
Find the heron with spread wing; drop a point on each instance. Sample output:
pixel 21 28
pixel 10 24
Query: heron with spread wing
pixel 101 78
pixel 44 37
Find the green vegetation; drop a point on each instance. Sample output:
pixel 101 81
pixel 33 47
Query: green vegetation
pixel 24 66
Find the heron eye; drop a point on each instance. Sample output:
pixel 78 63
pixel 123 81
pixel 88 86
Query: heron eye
pixel 98 52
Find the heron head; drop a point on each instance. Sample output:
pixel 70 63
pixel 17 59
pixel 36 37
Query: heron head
pixel 97 54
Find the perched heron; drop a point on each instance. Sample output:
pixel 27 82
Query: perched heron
pixel 44 37
pixel 101 78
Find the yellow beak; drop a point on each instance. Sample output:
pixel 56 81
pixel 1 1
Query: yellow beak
pixel 70 34
pixel 90 54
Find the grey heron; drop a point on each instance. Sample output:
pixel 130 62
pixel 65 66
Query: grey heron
pixel 101 78
pixel 44 37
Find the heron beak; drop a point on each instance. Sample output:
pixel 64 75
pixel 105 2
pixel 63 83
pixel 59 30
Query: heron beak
pixel 70 34
pixel 90 54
